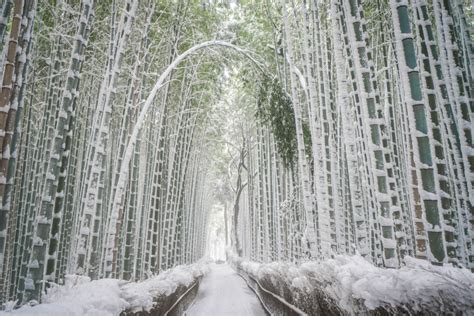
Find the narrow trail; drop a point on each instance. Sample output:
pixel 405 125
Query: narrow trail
pixel 223 292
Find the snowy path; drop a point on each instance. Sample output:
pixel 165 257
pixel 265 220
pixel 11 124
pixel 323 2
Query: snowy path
pixel 223 292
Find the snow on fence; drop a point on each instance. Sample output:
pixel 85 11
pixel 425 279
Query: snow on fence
pixel 106 297
pixel 348 285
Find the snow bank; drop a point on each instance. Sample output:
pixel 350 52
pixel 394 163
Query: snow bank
pixel 140 295
pixel 107 297
pixel 80 296
pixel 356 285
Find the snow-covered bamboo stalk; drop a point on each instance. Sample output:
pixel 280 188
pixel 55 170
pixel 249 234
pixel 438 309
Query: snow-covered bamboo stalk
pixel 310 232
pixel 425 183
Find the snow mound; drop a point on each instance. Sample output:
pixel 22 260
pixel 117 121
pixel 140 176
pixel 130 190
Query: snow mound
pixel 107 297
pixel 356 284
pixel 140 295
pixel 80 296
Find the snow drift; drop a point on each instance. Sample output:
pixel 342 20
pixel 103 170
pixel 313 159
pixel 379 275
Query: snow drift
pixel 356 286
pixel 106 297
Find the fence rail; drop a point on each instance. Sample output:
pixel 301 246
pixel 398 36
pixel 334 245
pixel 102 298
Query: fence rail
pixel 183 302
pixel 174 304
pixel 273 303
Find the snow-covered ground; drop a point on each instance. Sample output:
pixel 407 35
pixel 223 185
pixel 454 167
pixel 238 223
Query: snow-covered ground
pixel 350 282
pixel 81 296
pixel 355 284
pixel 223 292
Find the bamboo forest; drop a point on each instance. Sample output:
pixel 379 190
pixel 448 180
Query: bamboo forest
pixel 237 157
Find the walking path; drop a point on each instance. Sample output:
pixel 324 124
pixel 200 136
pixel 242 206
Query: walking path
pixel 223 292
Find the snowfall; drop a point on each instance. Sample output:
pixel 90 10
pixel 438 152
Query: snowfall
pixel 344 279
